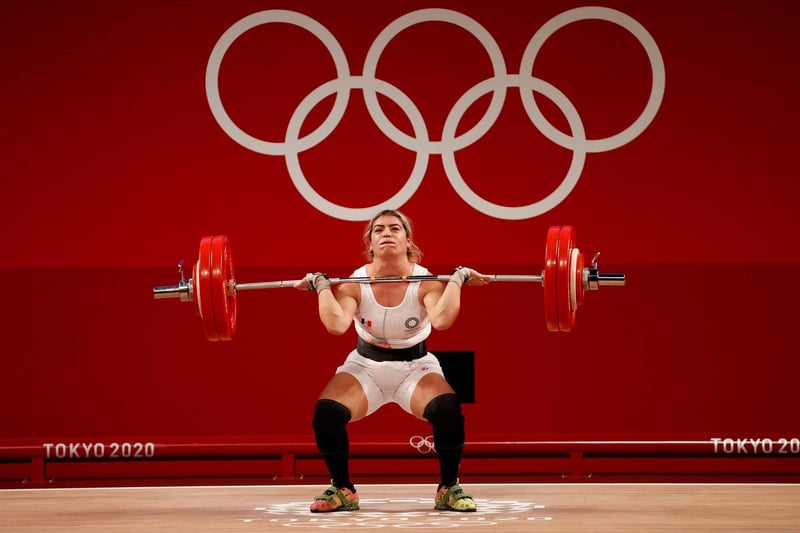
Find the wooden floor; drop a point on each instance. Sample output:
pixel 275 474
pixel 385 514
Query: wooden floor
pixel 501 507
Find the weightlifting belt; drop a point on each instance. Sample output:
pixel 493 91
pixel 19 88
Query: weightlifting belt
pixel 376 353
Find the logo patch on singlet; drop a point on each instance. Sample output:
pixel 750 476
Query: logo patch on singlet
pixel 412 323
pixel 366 323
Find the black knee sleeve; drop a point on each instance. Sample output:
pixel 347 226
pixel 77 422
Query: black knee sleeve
pixel 444 414
pixel 330 419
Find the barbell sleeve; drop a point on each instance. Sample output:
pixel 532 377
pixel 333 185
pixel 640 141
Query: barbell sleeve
pixel 595 279
pixel 182 290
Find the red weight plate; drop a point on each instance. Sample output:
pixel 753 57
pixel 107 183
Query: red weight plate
pixel 195 295
pixel 550 279
pixel 222 276
pixel 579 271
pixel 230 289
pixel 578 281
pixel 566 242
pixel 573 280
pixel 202 289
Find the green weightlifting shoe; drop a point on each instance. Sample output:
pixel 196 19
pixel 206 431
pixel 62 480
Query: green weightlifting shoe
pixel 335 499
pixel 454 498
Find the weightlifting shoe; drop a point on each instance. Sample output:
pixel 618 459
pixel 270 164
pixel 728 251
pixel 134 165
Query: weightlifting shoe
pixel 335 499
pixel 454 498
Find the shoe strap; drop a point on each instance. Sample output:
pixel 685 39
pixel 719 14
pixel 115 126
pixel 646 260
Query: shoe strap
pixel 334 492
pixel 455 492
pixel 329 493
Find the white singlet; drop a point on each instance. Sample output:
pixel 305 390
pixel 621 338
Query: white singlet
pixel 401 326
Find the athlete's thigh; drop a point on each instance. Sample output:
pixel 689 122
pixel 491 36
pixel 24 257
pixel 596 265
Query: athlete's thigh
pixel 347 390
pixel 428 388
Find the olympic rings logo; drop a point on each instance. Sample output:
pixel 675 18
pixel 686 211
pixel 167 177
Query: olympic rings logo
pixel 423 445
pixel 421 142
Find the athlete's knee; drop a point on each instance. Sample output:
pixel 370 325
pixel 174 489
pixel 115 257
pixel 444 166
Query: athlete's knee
pixel 330 414
pixel 330 419
pixel 444 411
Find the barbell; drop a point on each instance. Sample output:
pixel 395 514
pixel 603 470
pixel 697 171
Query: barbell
pixel 214 287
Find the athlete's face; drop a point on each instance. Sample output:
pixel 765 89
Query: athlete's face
pixel 388 236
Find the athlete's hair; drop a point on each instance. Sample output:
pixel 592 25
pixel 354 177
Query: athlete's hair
pixel 413 252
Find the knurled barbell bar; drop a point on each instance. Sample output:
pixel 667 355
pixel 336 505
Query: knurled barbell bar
pixel 214 288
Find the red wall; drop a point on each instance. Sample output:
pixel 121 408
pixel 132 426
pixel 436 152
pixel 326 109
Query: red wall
pixel 115 167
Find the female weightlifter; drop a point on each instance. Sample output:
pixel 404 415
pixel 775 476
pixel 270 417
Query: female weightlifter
pixel 391 362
